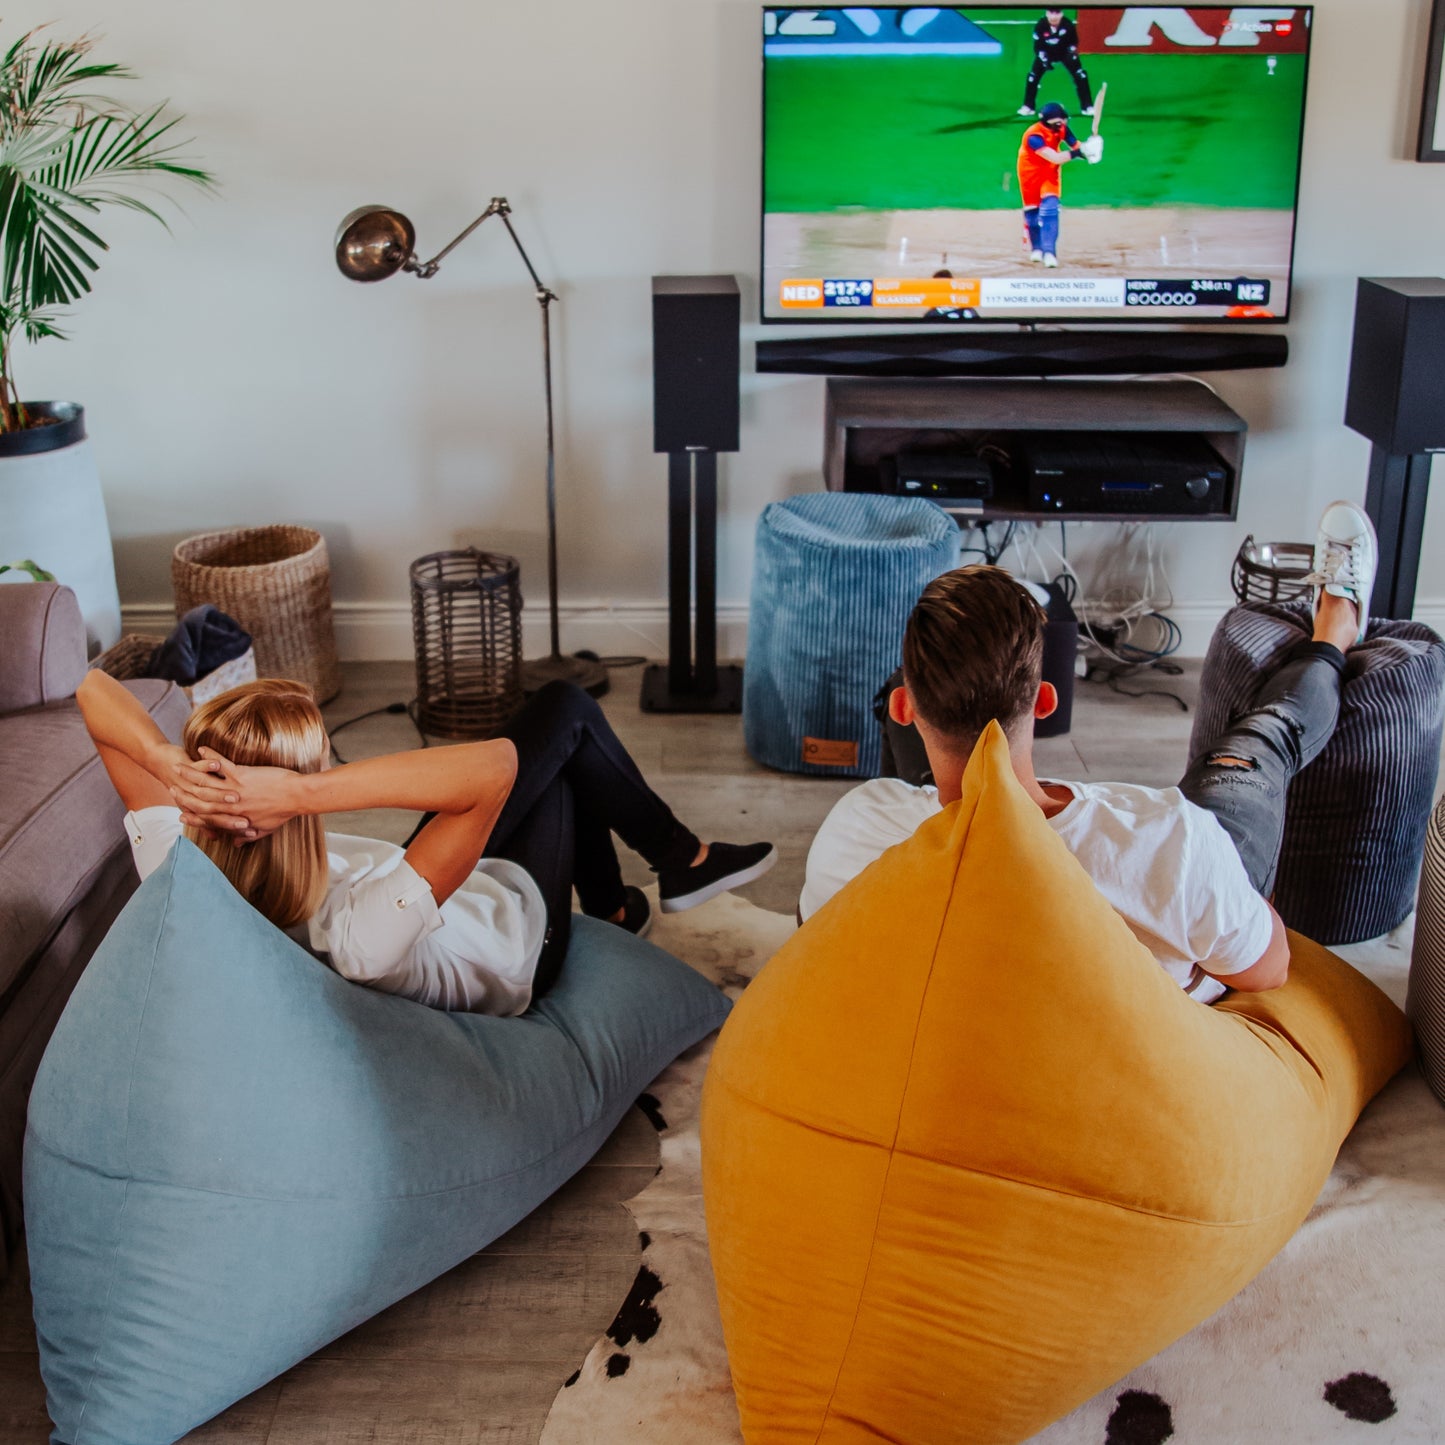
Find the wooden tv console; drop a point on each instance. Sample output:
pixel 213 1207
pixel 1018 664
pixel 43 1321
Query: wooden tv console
pixel 869 421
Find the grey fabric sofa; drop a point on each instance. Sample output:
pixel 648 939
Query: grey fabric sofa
pixel 65 869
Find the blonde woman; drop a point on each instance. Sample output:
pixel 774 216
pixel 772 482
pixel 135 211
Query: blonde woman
pixel 474 914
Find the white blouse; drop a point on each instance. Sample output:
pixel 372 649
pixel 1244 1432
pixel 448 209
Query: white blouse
pixel 380 925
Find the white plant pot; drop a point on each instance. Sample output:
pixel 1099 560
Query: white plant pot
pixel 52 512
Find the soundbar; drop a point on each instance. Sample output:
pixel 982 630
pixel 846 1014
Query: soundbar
pixel 1024 353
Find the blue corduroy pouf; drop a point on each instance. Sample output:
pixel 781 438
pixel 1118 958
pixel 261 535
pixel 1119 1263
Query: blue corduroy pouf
pixel 834 578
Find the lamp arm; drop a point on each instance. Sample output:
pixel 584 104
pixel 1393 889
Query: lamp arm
pixel 499 206
pixel 544 293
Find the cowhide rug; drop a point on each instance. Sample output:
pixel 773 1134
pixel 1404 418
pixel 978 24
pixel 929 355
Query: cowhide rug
pixel 1342 1337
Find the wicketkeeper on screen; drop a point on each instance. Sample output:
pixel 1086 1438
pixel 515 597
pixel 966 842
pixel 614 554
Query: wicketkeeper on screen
pixel 1056 42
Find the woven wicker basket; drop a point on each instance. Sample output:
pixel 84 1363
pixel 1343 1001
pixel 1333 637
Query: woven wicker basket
pixel 276 582
pixel 130 658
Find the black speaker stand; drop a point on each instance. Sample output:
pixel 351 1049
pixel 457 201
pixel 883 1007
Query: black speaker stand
pixel 686 684
pixel 1395 502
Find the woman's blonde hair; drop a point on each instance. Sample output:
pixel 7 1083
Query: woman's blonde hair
pixel 270 723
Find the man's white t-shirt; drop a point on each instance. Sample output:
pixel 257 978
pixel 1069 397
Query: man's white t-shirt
pixel 1167 866
pixel 380 925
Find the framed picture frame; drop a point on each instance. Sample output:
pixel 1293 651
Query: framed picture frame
pixel 1432 115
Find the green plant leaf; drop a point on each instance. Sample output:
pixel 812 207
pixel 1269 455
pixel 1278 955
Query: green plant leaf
pixel 37 572
pixel 66 152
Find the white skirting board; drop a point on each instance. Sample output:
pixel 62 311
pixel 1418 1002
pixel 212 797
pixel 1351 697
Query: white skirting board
pixel 381 631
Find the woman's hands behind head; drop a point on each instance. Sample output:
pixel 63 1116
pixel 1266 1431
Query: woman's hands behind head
pixel 232 800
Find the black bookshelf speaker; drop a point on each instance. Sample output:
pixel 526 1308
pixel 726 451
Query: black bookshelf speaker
pixel 696 351
pixel 1397 364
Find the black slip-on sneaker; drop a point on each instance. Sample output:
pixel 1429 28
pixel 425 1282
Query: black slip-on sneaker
pixel 636 912
pixel 727 865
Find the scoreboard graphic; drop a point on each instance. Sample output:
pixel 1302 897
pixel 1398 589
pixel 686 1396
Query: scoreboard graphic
pixel 1070 293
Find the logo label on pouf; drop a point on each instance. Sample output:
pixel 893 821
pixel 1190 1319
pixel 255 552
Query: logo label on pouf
pixel 830 752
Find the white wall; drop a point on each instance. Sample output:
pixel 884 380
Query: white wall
pixel 232 376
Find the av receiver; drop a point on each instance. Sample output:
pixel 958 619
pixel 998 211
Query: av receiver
pixel 1159 473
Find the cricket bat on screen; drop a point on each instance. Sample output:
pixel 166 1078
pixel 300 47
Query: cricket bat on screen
pixel 1099 106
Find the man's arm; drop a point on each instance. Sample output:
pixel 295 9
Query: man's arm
pixel 1270 970
pixel 1229 917
pixel 1057 157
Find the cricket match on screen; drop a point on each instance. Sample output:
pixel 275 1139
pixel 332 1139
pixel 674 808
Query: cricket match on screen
pixel 1031 164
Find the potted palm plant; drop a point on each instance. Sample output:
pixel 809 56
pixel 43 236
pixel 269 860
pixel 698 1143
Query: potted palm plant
pixel 67 151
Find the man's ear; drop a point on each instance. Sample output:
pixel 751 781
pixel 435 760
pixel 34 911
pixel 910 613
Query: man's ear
pixel 1047 701
pixel 900 707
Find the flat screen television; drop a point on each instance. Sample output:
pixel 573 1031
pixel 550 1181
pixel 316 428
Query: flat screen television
pixel 977 164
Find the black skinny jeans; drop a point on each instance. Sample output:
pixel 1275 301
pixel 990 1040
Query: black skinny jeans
pixel 575 787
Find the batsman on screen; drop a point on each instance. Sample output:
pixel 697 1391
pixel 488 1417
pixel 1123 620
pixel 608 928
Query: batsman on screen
pixel 1047 147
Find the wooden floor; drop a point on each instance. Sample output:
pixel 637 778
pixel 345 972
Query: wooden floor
pixel 478 1355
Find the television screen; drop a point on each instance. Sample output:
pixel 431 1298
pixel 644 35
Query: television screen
pixel 979 164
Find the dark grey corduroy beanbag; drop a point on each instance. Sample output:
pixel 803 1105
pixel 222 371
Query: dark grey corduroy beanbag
pixel 1425 1002
pixel 1355 820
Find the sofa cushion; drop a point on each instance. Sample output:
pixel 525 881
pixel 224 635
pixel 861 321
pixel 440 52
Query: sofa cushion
pixel 44 634
pixel 60 819
pixel 969 1155
pixel 234 1155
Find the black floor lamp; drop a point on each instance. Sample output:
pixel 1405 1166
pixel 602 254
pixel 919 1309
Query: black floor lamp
pixel 375 242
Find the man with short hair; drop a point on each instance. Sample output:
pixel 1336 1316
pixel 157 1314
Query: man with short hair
pixel 1188 868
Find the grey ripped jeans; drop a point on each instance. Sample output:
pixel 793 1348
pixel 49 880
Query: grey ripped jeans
pixel 1242 777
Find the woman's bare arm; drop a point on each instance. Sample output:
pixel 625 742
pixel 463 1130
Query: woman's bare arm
pixel 142 762
pixel 466 786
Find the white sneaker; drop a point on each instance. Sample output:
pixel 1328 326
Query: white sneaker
pixel 1087 110
pixel 1346 554
pixel 1050 259
pixel 1036 256
pixel 1027 110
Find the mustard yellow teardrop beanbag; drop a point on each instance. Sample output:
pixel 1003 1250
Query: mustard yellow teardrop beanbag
pixel 969 1156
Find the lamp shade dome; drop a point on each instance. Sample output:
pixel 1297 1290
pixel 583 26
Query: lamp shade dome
pixel 374 242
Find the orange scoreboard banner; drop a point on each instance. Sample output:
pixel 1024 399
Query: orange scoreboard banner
pixel 815 293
